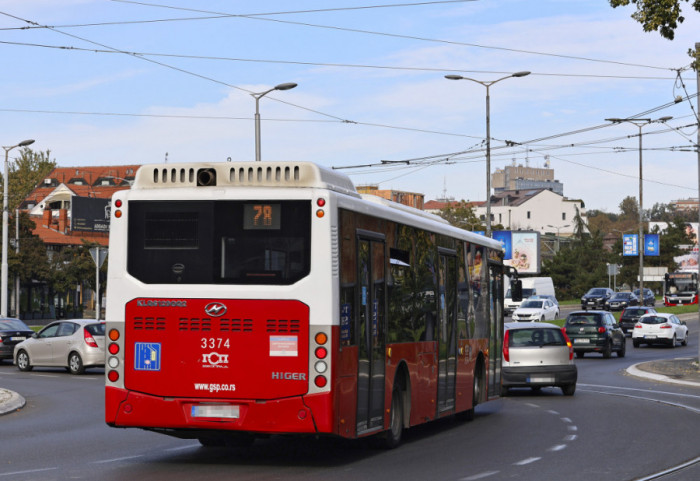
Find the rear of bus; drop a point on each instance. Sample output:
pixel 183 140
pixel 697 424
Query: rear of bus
pixel 220 295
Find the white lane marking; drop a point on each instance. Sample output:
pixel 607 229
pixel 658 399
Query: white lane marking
pixel 180 448
pixel 567 420
pixel 558 447
pixel 638 389
pixel 29 471
pixel 570 437
pixel 527 461
pixel 572 428
pixel 117 459
pixel 552 411
pixel 483 475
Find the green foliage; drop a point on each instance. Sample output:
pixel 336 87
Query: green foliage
pixel 662 16
pixel 461 215
pixel 26 172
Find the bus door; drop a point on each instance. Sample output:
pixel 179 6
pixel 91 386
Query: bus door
pixel 496 334
pixel 447 348
pixel 371 331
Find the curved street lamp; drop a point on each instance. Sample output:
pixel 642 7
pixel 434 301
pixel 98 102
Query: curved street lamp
pixel 640 242
pixel 5 197
pixel 258 96
pixel 488 84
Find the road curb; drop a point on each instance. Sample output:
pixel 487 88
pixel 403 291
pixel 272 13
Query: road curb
pixel 10 401
pixel 634 371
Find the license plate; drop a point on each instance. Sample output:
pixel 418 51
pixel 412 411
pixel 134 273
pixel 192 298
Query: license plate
pixel 215 411
pixel 17 338
pixel 541 379
pixel 649 336
pixel 582 341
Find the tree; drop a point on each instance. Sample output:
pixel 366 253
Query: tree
pixel 26 172
pixel 461 214
pixel 662 16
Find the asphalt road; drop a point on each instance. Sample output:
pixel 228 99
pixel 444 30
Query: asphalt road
pixel 616 427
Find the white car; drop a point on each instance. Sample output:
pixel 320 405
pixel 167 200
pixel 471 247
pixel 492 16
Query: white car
pixel 537 310
pixel 660 328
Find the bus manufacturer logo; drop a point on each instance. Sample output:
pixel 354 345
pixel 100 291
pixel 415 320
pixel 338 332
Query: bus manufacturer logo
pixel 214 359
pixel 215 309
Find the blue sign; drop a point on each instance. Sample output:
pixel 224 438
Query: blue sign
pixel 651 245
pixel 630 245
pixel 147 356
pixel 506 240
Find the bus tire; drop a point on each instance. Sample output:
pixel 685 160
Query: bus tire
pixel 392 437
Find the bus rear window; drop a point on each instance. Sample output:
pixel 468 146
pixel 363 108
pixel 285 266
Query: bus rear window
pixel 226 242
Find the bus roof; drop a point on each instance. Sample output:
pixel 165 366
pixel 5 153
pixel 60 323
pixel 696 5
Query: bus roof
pixel 242 174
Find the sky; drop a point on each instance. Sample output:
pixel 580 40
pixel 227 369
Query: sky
pixel 102 82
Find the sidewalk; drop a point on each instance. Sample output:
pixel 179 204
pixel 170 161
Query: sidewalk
pixel 676 371
pixel 10 401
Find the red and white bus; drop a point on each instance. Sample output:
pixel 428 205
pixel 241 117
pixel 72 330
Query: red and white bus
pixel 248 299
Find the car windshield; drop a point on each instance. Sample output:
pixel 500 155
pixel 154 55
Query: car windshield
pixel 653 320
pixel 634 312
pixel 623 295
pixel 596 292
pixel 582 320
pixel 535 337
pixel 13 325
pixel 532 304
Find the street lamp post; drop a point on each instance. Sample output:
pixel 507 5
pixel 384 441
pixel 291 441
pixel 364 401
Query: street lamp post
pixel 488 84
pixel 557 228
pixel 640 242
pixel 5 199
pixel 258 96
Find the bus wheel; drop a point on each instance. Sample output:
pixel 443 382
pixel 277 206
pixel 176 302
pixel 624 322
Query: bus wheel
pixel 392 437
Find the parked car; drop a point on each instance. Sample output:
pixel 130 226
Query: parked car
pixel 75 344
pixel 649 297
pixel 595 298
pixel 536 310
pixel 620 300
pixel 660 328
pixel 12 331
pixel 630 316
pixel 595 331
pixel 537 354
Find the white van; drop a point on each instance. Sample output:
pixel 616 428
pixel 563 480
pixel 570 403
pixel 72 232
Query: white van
pixel 532 286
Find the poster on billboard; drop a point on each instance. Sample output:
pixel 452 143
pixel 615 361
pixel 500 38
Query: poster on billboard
pixel 630 245
pixel 89 214
pixel 525 252
pixel 506 240
pixel 651 245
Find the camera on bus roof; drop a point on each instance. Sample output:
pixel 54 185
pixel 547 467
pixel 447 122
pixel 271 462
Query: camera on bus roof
pixel 206 177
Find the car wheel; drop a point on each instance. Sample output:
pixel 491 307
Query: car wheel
pixel 580 354
pixel 23 363
pixel 542 319
pixel 607 351
pixel 684 342
pixel 623 348
pixel 673 341
pixel 75 363
pixel 569 389
pixel 635 343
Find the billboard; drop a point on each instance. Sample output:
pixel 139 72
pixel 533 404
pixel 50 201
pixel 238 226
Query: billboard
pixel 630 244
pixel 89 214
pixel 522 250
pixel 651 245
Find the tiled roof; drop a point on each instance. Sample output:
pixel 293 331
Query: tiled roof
pixel 65 175
pixel 52 237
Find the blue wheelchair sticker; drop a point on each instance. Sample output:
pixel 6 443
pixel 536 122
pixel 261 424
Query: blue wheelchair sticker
pixel 147 356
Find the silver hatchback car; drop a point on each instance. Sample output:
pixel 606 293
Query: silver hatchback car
pixel 537 354
pixel 75 344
